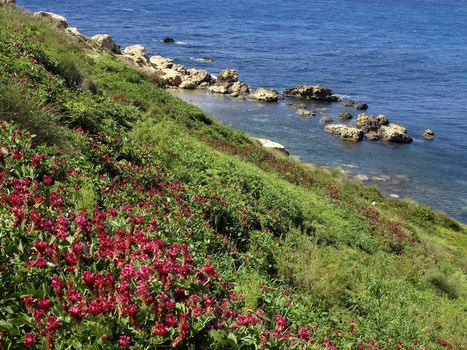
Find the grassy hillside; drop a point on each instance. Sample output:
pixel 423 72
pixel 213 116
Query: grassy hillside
pixel 131 219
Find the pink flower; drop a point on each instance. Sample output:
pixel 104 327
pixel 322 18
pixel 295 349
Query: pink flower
pixel 280 322
pixel 44 304
pixel 30 339
pixel 124 341
pixel 160 330
pixel 52 323
pixel 47 180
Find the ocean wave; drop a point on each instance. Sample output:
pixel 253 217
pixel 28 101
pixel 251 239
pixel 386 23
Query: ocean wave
pixel 181 42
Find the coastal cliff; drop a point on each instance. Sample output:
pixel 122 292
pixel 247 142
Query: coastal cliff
pixel 131 219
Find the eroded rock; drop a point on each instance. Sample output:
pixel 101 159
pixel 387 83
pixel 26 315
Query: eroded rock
pixel 312 92
pixel 345 131
pixel 345 115
pixel 394 133
pixel 356 105
pixel 326 120
pixel 105 42
pixel 305 113
pixel 428 134
pixel 265 95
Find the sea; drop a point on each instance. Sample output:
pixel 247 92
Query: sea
pixel 406 59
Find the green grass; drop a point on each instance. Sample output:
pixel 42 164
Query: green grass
pixel 397 266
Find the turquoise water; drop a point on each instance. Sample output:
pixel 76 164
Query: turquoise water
pixel 405 58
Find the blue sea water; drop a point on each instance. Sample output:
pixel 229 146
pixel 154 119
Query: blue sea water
pixel 405 58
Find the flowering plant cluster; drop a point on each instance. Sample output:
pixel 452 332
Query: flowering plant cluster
pixel 135 268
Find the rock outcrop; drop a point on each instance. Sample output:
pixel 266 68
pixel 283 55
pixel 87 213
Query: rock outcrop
pixel 105 42
pixel 394 133
pixel 345 132
pixel 428 134
pixel 57 20
pixel 356 105
pixel 227 76
pixel 268 144
pixel 312 92
pixel 265 95
pixel 73 31
pixel 137 54
pixel 345 115
pixel 219 89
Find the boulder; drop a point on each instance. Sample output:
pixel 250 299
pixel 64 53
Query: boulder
pixel 268 144
pixel 326 120
pixel 345 131
pixel 265 95
pixel 171 77
pixel 312 92
pixel 394 133
pixel 372 136
pixel 168 40
pixel 198 76
pixel 367 123
pixel 162 62
pixel 8 2
pixel 188 85
pixel 382 119
pixel 305 113
pixel 345 115
pixel 105 42
pixel 228 75
pixel 137 54
pixel 239 88
pixel 356 105
pixel 219 89
pixel 57 20
pixel 428 134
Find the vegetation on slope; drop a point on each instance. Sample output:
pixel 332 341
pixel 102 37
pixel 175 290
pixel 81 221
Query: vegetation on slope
pixel 131 219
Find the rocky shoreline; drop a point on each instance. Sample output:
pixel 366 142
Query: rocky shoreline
pixel 227 82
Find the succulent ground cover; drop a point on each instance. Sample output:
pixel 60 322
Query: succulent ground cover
pixel 130 219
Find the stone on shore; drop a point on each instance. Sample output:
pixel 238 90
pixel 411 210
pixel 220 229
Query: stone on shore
pixel 394 133
pixel 219 89
pixel 228 75
pixel 105 42
pixel 268 144
pixel 171 77
pixel 312 92
pixel 345 115
pixel 345 132
pixel 239 88
pixel 265 95
pixel 356 105
pixel 57 20
pixel 162 62
pixel 428 134
pixel 199 76
pixel 137 54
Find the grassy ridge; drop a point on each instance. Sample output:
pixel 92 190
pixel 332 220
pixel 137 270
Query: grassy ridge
pixel 289 239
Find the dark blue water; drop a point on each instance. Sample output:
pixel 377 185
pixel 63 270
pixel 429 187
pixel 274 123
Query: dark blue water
pixel 405 58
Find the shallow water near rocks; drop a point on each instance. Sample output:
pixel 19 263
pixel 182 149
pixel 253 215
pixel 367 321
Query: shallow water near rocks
pixel 405 58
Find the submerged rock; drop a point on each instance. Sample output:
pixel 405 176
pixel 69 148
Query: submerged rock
pixel 428 134
pixel 312 92
pixel 105 42
pixel 272 145
pixel 57 20
pixel 326 120
pixel 265 95
pixel 296 105
pixel 305 113
pixel 345 115
pixel 168 40
pixel 356 105
pixel 345 131
pixel 208 59
pixel 394 133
